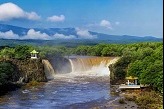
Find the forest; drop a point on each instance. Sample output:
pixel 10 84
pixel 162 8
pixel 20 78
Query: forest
pixel 144 60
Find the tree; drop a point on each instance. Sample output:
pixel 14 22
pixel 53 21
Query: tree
pixel 153 75
pixel 6 72
pixel 22 52
pixel 135 68
pixel 7 53
pixel 82 50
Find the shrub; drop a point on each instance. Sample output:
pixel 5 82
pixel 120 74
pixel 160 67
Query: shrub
pixel 121 101
pixel 32 83
pixel 149 100
pixel 130 97
pixel 6 72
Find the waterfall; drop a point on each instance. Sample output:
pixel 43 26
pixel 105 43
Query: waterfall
pixel 72 66
pixel 95 66
pixel 78 66
pixel 48 69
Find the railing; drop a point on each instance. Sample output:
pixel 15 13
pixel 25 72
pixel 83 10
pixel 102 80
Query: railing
pixel 129 86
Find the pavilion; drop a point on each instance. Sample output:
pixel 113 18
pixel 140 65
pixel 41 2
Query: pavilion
pixel 34 54
pixel 132 83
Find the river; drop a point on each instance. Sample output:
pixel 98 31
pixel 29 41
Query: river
pixel 82 90
pixel 61 93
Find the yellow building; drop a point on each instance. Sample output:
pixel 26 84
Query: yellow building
pixel 132 80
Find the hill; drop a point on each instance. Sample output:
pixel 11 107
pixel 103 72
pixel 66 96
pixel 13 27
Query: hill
pixel 63 36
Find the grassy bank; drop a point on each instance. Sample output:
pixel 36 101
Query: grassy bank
pixel 147 99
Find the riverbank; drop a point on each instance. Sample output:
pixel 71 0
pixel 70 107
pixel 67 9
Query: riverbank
pixel 135 99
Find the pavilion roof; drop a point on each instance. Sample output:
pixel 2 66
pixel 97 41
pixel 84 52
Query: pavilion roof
pixel 34 52
pixel 132 78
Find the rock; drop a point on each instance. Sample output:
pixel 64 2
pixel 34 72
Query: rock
pixel 28 70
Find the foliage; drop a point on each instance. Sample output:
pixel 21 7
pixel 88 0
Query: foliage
pixel 149 100
pixel 6 72
pixel 22 52
pixel 130 97
pixel 32 83
pixel 135 68
pixel 18 52
pixel 7 52
pixel 121 101
pixel 52 51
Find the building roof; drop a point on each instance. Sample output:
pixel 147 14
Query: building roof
pixel 130 77
pixel 34 52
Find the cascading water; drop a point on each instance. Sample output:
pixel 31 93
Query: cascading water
pixel 91 66
pixel 72 66
pixel 48 69
pixel 86 67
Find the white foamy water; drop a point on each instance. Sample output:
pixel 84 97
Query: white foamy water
pixel 91 66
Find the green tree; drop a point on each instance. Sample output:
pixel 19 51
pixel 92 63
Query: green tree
pixel 135 68
pixel 7 53
pixel 6 72
pixel 22 52
pixel 153 75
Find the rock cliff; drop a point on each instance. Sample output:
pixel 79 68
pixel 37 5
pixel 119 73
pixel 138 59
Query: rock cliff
pixel 28 70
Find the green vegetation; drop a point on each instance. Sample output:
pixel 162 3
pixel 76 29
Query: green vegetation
pixel 146 99
pixel 6 72
pixel 149 100
pixel 121 101
pixel 32 83
pixel 17 52
pixel 131 97
pixel 13 64
pixel 52 51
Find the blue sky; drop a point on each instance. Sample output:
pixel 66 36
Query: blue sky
pixel 119 17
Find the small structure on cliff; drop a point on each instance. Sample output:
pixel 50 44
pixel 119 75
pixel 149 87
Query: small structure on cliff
pixel 132 80
pixel 34 54
pixel 131 83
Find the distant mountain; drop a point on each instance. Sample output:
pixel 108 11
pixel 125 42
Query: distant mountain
pixel 17 30
pixel 99 37
pixel 49 31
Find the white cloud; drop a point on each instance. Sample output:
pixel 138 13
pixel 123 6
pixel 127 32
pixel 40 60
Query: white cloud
pixel 62 36
pixel 106 24
pixel 55 18
pixel 10 11
pixel 8 35
pixel 82 33
pixel 102 24
pixel 32 34
pixel 32 16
